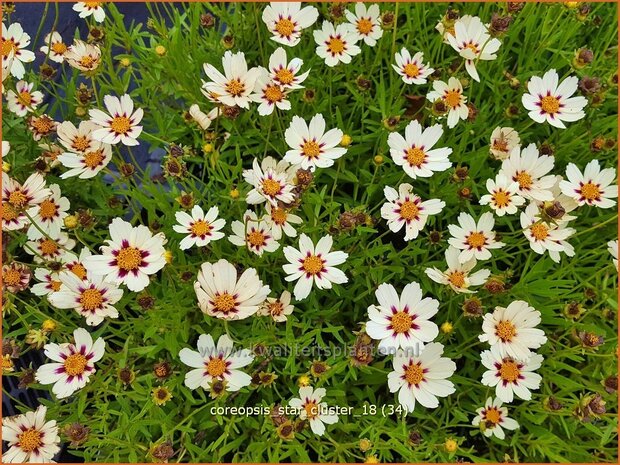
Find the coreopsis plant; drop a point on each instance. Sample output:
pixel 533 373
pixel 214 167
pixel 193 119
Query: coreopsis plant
pixel 309 232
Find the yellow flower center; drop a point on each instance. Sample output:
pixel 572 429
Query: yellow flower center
pixel 86 61
pixel 472 47
pixel 18 199
pixel 278 215
pixel 492 415
pixel 476 240
pixel 55 285
pixel 275 308
pixel 313 265
pixel 224 302
pixel 92 5
pixel 48 209
pixel 80 143
pixel 550 104
pixel 415 156
pixel 409 210
pixel 414 374
pixel 216 367
pixel 93 159
pixel 129 258
pixel 457 279
pixel 311 149
pixel 411 70
pixel 590 191
pixel 75 364
pixel 234 87
pixel 271 187
pixel 78 270
pixel 200 228
pixel 7 363
pixel 505 330
pixel 501 145
pixel 524 179
pixel 256 238
pixel 8 212
pixel 43 125
pixel 273 94
pixel 452 98
pixel 91 299
pixel 285 27
pixel 25 98
pixel 7 47
pixel 312 409
pixel 285 76
pixel 48 247
pixel 401 322
pixel 30 440
pixel 509 371
pixel 501 198
pixel 539 231
pixel 335 45
pixel 364 26
pixel 59 48
pixel 12 277
pixel 120 125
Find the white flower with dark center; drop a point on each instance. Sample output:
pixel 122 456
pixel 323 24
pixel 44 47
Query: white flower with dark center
pixel 73 364
pixel 77 139
pixel 30 438
pixel 48 215
pixel 222 295
pixel 513 330
pixel 474 239
pixel 278 309
pixel 253 233
pixel 312 264
pixel 50 249
pixel 49 282
pixel 412 69
pixel 612 248
pixel 312 147
pixel 12 46
pixel 336 44
pixel 234 87
pixel 287 20
pixel 18 198
pixel 366 23
pixel 92 298
pixel 510 376
pixel 402 322
pixel 404 208
pixel 503 141
pixel 75 264
pixel 284 72
pixel 472 41
pixel 544 236
pixel 458 276
pixel 83 56
pixel 272 181
pixel 311 408
pixel 270 94
pixel 530 170
pixel 503 196
pixel 23 99
pixel 421 376
pixel 200 228
pixel 415 152
pixel 54 47
pixel 121 124
pixel 550 102
pixel 493 418
pixel 281 220
pixel 15 277
pixel 130 256
pixel 592 187
pixel 87 164
pixel 451 96
pixel 86 9
pixel 216 363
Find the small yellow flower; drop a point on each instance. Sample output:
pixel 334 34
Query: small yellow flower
pixel 6 166
pixel 451 445
pixel 161 395
pixel 71 221
pixel 378 159
pixel 7 364
pixel 125 62
pixel 234 193
pixel 447 327
pixel 160 50
pixel 207 148
pixel 371 459
pixel 80 111
pixel 346 140
pixel 168 256
pixel 572 4
pixel 365 444
pixel 49 326
pixel 304 380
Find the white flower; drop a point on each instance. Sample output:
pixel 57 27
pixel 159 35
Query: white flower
pixel 366 23
pixel 421 377
pixel 77 139
pixel 219 363
pixel 235 86
pixel 253 233
pixel 472 41
pixel 451 94
pixel 503 196
pixel 48 215
pixel 550 102
pixel 286 21
pixel 12 45
pixel 474 239
pixel 503 141
pixel 415 152
pixel 30 438
pixel 312 409
pixel 530 169
pixel 412 69
pixel 73 364
pixel 75 264
pixel 121 124
pixel 49 282
pixel 402 322
pixel 286 73
pixel 92 298
pixel 83 56
pixel 457 275
pixel 23 100
pixel 612 248
pixel 492 418
pixel 280 220
pixel 272 182
pixel 130 256
pixel 270 94
pixel 278 309
pixel 545 236
pixel 404 208
pixel 90 8
pixel 17 198
pixel 510 376
pixel 513 330
pixel 336 44
pixel 221 295
pixel 7 62
pixel 200 228
pixel 312 147
pixel 6 146
pixel 592 187
pixel 310 265
pixel 54 46
pixel 85 156
pixel 50 248
pixel 204 120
